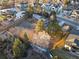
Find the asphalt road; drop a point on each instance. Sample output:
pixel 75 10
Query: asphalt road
pixel 68 21
pixel 64 54
pixel 73 31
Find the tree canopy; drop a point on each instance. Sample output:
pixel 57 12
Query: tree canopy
pixel 39 26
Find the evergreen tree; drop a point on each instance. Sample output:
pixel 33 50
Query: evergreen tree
pixel 20 48
pixel 66 2
pixel 53 26
pixel 26 37
pixel 16 48
pixel 38 9
pixel 37 1
pixel 39 26
pixel 29 12
pixel 45 1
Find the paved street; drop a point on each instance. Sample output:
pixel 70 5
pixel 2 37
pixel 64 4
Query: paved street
pixel 64 54
pixel 68 21
pixel 73 31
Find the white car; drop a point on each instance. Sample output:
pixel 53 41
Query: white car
pixel 67 47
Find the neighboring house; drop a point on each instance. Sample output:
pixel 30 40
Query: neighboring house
pixel 75 13
pixel 66 28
